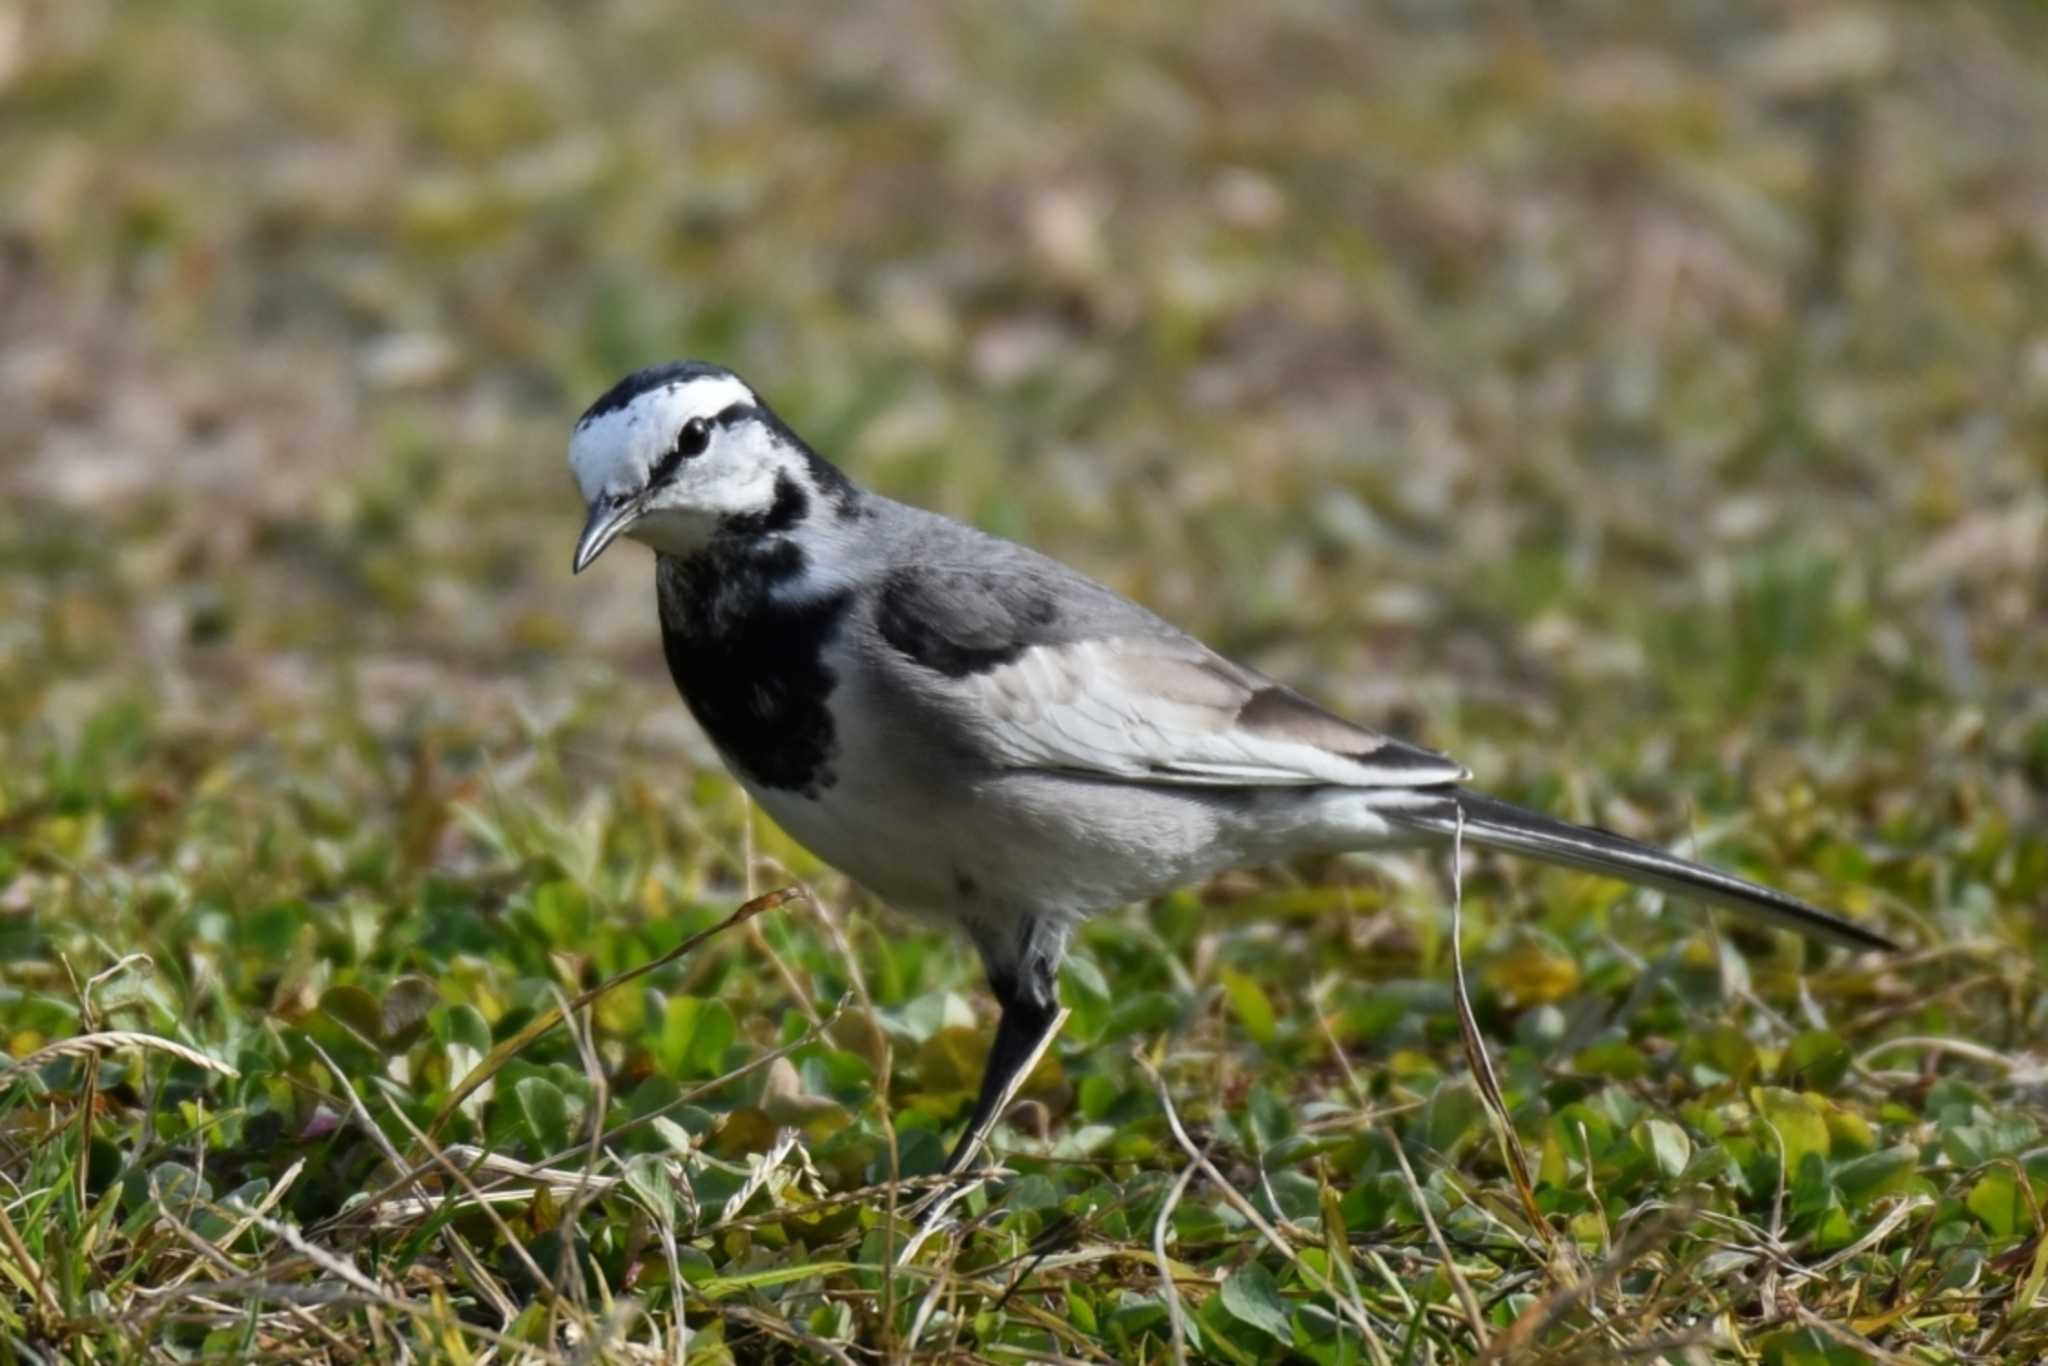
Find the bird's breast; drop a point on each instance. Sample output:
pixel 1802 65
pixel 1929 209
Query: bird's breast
pixel 754 669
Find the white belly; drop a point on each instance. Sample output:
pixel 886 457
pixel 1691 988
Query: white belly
pixel 932 833
pixel 1002 844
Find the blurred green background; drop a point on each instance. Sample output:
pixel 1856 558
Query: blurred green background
pixel 1646 403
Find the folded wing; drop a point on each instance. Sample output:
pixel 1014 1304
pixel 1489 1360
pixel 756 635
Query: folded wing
pixel 1063 674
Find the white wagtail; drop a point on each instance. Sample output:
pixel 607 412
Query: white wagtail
pixel 981 735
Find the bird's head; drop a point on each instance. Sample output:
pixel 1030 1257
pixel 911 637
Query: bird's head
pixel 676 455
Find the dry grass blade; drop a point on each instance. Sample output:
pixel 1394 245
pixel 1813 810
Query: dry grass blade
pixel 1520 1336
pixel 460 1177
pixel 389 1205
pixel 471 1268
pixel 483 1162
pixel 762 1170
pixel 246 1218
pixel 968 1284
pixel 1466 1299
pixel 1337 1243
pixel 1235 1198
pixel 1850 1338
pixel 1175 1311
pixel 1882 1230
pixel 1479 1060
pixel 784 1332
pixel 27 1271
pixel 215 1255
pixel 368 1289
pixel 216 1295
pixel 548 1019
pixel 1960 1048
pixel 106 1040
pixel 884 1084
pixel 978 1140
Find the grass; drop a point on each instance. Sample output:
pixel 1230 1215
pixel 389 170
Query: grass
pixel 1648 405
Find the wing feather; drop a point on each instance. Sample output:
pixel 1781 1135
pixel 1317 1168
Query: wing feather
pixel 1066 675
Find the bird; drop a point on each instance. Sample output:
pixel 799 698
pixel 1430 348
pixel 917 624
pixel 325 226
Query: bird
pixel 984 737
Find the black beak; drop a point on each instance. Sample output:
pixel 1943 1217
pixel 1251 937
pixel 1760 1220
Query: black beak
pixel 608 517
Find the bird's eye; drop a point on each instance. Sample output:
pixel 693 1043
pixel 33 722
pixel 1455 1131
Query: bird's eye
pixel 690 441
pixel 693 438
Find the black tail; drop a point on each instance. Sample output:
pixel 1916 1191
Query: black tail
pixel 1503 825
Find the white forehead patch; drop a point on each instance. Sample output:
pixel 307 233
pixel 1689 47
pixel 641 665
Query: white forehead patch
pixel 612 452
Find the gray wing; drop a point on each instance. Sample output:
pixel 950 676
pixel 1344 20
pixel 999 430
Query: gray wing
pixel 1037 667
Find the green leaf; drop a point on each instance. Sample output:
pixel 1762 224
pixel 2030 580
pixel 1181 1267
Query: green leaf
pixel 1667 1144
pixel 1249 1003
pixel 694 1036
pixel 546 1113
pixel 176 1188
pixel 1807 1347
pixel 1098 1094
pixel 647 1176
pixel 562 910
pixel 404 1009
pixel 355 1010
pixel 1271 1118
pixel 1866 1178
pixel 1080 1308
pixel 1717 1054
pixel 1082 973
pixel 1997 1201
pixel 1533 972
pixel 1251 1297
pixel 466 1037
pixel 1817 1058
pixel 1085 991
pixel 1454 1112
pixel 272 930
pixel 1981 1134
pixel 1616 1058
pixel 1143 1012
pixel 464 1025
pixel 718 1287
pixel 1800 1123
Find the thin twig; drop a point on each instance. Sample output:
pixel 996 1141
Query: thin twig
pixel 1174 1310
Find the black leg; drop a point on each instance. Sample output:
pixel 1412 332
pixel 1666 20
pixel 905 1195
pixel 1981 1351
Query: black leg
pixel 1027 1015
pixel 1023 971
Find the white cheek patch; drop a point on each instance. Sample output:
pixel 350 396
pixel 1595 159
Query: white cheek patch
pixel 737 481
pixel 740 474
pixel 746 473
pixel 612 452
